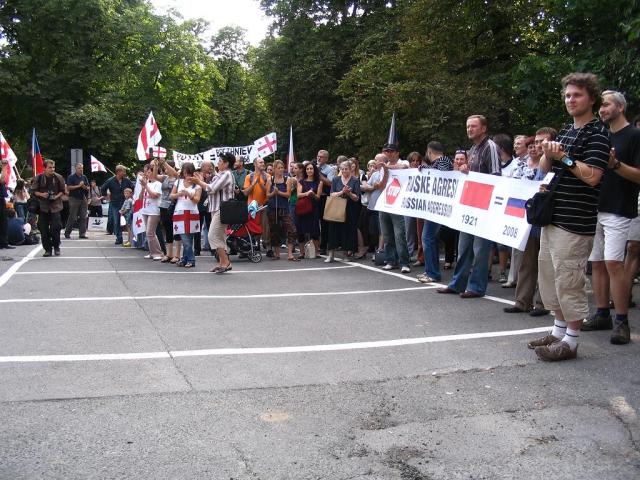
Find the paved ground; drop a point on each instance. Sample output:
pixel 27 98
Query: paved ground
pixel 112 366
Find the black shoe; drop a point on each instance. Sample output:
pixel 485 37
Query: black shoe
pixel 539 312
pixel 66 235
pixel 46 254
pixel 84 237
pixel 270 253
pixel 118 242
pixel 597 322
pixel 514 309
pixel 621 334
pixel 7 247
pixel 56 251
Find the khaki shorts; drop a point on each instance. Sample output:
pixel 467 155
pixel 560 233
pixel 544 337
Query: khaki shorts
pixel 610 241
pixel 217 232
pixel 634 230
pixel 561 277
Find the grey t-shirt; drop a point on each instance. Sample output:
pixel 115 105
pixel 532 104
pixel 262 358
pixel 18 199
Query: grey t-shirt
pixel 373 195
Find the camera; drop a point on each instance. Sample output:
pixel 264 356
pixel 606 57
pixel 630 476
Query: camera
pixel 51 196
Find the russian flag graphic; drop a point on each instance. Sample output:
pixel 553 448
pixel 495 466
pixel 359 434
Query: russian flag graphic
pixel 515 207
pixel 475 194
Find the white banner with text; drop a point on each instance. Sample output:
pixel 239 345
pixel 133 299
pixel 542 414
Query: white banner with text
pixel 248 153
pixel 487 206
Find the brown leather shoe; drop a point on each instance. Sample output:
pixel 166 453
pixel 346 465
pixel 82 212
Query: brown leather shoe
pixel 446 290
pixel 544 341
pixel 469 294
pixel 556 352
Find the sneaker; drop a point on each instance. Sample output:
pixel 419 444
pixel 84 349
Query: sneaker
pixel 156 259
pixel 148 256
pixel 405 269
pixel 424 278
pixel 329 259
pixel 418 263
pixel 46 254
pixel 556 352
pixel 597 322
pixel 621 334
pixel 503 278
pixel 126 245
pixel 388 266
pixel 543 342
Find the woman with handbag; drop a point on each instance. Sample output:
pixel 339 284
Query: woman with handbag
pixel 343 227
pixel 221 189
pixel 280 222
pixel 307 207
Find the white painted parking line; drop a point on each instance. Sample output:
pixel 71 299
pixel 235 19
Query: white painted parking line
pixel 179 271
pixel 266 350
pixel 6 276
pixel 115 247
pixel 65 257
pixel 206 297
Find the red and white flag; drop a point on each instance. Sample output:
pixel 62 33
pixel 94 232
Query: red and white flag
pixel 137 222
pixel 149 137
pixel 159 152
pixel 6 153
pixel 97 165
pixel 266 145
pixel 186 221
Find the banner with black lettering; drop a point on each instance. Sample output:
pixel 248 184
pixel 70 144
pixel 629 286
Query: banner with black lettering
pixel 248 153
pixel 487 206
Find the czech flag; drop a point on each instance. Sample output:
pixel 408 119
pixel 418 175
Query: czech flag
pixel 515 207
pixel 475 194
pixel 37 163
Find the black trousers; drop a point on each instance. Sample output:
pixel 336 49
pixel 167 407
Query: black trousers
pixel 324 226
pixel 49 225
pixel 3 224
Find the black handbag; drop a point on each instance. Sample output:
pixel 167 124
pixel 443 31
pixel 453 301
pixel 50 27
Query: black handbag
pixel 233 212
pixel 540 207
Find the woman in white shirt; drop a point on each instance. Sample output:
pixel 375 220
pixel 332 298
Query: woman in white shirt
pixel 150 195
pixel 186 218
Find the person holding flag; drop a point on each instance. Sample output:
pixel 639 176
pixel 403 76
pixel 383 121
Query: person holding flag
pixel 4 240
pixel 186 218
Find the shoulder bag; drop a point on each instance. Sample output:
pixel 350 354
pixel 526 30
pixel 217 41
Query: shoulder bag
pixel 335 210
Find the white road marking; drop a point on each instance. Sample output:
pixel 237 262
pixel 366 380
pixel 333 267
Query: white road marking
pixel 176 271
pixel 207 297
pixel 264 350
pixel 6 276
pixel 65 257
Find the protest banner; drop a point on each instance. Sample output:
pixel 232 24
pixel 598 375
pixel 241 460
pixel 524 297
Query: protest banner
pixel 97 224
pixel 487 206
pixel 248 154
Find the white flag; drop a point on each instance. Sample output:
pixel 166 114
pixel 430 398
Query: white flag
pixel 266 145
pixel 6 153
pixel 97 165
pixel 149 137
pixel 137 222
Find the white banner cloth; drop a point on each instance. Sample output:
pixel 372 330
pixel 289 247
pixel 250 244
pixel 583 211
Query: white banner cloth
pixel 487 206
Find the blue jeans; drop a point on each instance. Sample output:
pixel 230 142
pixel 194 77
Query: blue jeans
pixel 411 233
pixel 187 248
pixel 473 255
pixel 114 214
pixel 21 211
pixel 395 240
pixel 431 249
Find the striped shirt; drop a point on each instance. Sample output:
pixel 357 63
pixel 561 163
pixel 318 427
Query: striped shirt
pixel 484 158
pixel 220 189
pixel 576 203
pixel 443 163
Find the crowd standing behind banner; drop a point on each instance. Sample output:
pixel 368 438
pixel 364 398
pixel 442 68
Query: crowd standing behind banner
pixel 320 208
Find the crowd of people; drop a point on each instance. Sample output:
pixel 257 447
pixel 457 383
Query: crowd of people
pixel 318 208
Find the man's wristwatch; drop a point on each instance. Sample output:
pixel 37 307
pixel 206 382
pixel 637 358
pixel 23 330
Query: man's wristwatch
pixel 567 162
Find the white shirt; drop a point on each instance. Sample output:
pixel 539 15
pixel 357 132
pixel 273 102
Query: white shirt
pixel 151 206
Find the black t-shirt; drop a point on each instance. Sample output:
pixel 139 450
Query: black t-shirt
pixel 576 203
pixel 617 194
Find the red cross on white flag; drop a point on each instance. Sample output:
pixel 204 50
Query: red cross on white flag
pixel 97 165
pixel 266 145
pixel 138 226
pixel 149 137
pixel 159 152
pixel 186 221
pixel 6 154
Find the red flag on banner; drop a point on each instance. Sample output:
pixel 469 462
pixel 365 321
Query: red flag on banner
pixel 476 194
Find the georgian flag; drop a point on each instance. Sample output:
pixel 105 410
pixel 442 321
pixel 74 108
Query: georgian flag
pixel 266 145
pixel 159 152
pixel 97 165
pixel 149 137
pixel 6 153
pixel 186 221
pixel 137 223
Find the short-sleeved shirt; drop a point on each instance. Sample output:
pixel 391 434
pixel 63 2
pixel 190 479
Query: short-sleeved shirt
pixel 54 184
pixel 576 203
pixel 79 193
pixel 375 177
pixel 259 192
pixel 617 194
pixel 484 158
pixel 328 171
pixel 151 206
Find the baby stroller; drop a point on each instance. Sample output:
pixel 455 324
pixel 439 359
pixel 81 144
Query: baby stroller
pixel 243 238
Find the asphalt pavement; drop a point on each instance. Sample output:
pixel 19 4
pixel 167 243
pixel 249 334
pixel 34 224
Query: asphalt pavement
pixel 116 367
